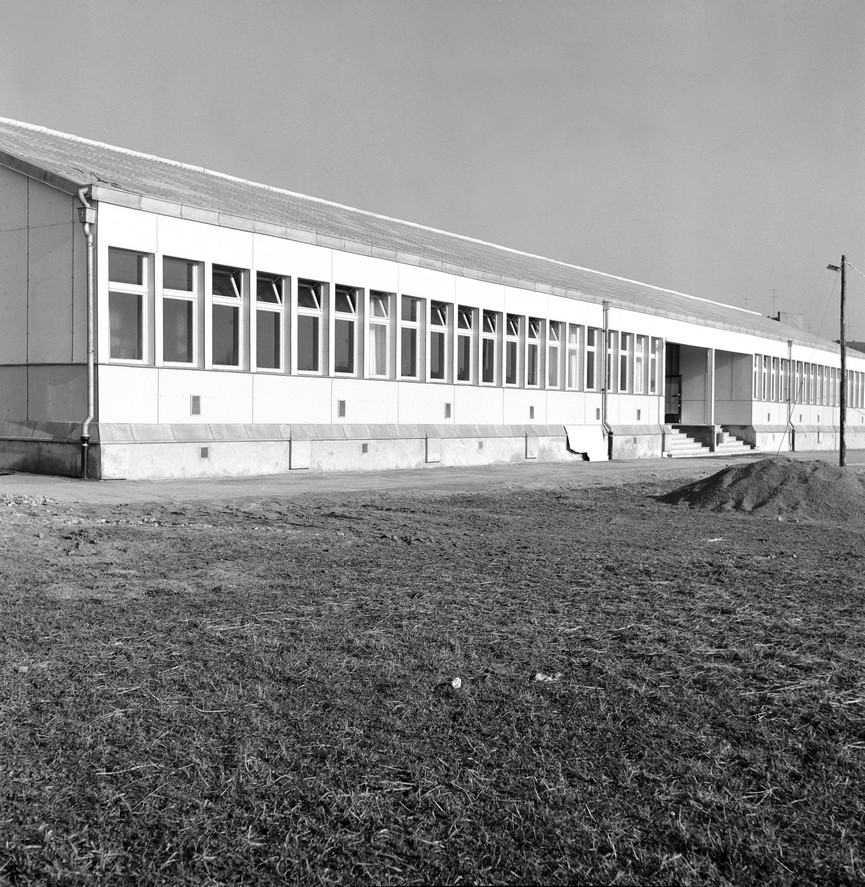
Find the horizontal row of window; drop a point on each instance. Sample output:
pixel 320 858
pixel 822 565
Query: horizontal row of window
pixel 276 323
pixel 779 380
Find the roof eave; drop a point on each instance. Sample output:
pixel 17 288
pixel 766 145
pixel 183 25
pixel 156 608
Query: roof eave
pixel 37 173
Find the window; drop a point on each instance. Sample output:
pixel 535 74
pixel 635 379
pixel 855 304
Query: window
pixel 512 350
pixel 654 362
pixel 591 358
pixel 573 359
pixel 409 337
pixel 625 361
pixel 225 317
pixel 345 311
pixel 764 379
pixel 465 337
pixel 379 333
pixel 773 379
pixel 640 365
pixel 554 354
pixel 533 352
pixel 180 288
pixel 609 375
pixel 127 289
pixel 270 290
pixel 783 375
pixel 438 341
pixel 489 347
pixel 310 313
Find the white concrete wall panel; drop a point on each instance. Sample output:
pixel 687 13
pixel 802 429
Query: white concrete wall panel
pixel 291 399
pixel 365 401
pixel 365 271
pixel 483 406
pixel 421 403
pixel 13 297
pixel 57 393
pixel 50 303
pixel 517 403
pixel 128 394
pixel 225 396
pixel 692 364
pixel 527 302
pixel 479 294
pixel 13 200
pixel 13 392
pixel 277 256
pixel 198 241
pixel 425 283
pixel 126 228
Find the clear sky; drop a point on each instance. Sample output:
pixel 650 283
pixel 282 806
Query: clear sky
pixel 715 147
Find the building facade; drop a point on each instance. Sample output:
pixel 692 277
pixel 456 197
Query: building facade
pixel 161 320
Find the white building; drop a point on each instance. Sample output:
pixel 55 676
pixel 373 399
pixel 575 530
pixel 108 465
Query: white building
pixel 161 320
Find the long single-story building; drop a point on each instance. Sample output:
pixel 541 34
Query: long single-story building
pixel 163 320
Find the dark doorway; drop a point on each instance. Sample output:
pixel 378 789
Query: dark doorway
pixel 672 386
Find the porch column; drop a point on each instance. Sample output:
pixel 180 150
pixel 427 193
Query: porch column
pixel 710 386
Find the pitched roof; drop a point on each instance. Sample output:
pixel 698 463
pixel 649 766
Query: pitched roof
pixel 119 175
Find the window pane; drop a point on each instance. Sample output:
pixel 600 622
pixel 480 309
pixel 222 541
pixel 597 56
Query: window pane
pixel 409 353
pixel 307 343
pixel 226 282
pixel 125 314
pixel 177 329
pixel 345 300
pixel 464 359
pixel 125 266
pixel 590 371
pixel 378 303
pixel 437 356
pixel 488 359
pixel 226 335
pixel 307 296
pixel 553 368
pixel 409 309
pixel 177 274
pixel 532 366
pixel 343 345
pixel 573 368
pixel 268 289
pixel 511 356
pixel 378 340
pixel 267 343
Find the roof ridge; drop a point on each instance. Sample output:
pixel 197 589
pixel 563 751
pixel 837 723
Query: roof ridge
pixel 332 203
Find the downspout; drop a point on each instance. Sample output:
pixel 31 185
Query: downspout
pixel 605 347
pixel 87 216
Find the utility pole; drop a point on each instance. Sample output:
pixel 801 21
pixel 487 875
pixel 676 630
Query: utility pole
pixel 842 445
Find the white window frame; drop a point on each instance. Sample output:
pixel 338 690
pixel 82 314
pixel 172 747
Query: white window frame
pixel 190 297
pixel 572 358
pixel 625 362
pixel 235 302
pixel 280 287
pixel 514 325
pixel 640 364
pixel 440 314
pixel 141 293
pixel 317 289
pixel 490 333
pixel 351 317
pixel 612 344
pixel 555 352
pixel 466 323
pixel 591 372
pixel 415 326
pixel 377 324
pixel 534 344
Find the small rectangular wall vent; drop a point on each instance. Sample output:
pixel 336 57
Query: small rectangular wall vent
pixel 204 452
pixel 447 411
pixel 195 405
pixel 531 412
pixel 364 448
pixel 340 409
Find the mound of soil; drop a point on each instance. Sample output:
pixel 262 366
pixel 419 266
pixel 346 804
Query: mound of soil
pixel 781 486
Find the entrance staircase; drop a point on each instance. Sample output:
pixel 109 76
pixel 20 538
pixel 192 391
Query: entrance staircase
pixel 678 444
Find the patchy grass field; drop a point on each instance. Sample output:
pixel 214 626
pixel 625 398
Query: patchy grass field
pixel 262 692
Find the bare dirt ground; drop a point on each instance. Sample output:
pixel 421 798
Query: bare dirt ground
pixel 254 682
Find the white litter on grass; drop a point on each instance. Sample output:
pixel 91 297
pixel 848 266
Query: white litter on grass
pixel 548 678
pixel 456 683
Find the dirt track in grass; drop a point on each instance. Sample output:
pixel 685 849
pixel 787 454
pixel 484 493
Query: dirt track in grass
pixel 260 691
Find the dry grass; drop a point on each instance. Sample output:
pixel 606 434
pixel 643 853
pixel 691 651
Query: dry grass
pixel 262 693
